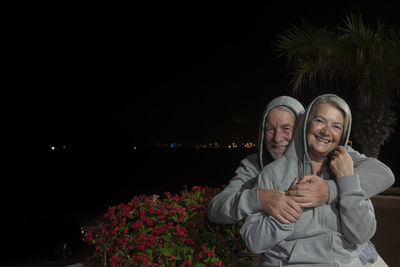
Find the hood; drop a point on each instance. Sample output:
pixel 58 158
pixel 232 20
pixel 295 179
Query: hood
pixel 290 102
pixel 298 148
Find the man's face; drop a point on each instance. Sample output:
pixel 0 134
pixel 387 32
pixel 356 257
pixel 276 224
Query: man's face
pixel 279 126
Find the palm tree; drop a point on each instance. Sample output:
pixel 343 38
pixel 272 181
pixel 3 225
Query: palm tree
pixel 357 62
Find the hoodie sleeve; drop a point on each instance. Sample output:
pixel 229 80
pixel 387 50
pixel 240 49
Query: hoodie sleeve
pixel 239 198
pixel 375 177
pixel 356 211
pixel 262 232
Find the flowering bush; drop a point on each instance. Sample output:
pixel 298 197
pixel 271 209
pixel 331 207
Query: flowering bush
pixel 169 231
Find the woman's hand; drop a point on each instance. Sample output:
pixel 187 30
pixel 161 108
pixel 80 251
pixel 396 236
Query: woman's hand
pixel 341 163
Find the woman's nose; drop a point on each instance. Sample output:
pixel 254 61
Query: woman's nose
pixel 324 130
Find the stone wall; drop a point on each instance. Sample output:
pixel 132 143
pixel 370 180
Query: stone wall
pixel 387 236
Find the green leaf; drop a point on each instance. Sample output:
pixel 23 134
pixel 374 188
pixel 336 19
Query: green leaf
pixel 200 265
pixel 165 252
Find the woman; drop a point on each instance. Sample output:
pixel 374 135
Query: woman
pixel 328 235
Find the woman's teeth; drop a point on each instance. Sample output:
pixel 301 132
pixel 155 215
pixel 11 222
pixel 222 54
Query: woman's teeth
pixel 323 140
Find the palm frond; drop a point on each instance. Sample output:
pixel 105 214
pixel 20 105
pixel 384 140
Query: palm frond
pixel 304 41
pixel 354 60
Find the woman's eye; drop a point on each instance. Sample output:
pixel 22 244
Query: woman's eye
pixel 338 127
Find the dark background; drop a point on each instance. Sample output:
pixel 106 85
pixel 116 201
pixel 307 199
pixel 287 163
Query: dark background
pixel 177 71
pixel 95 81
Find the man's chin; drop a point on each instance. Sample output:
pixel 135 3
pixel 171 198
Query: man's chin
pixel 276 154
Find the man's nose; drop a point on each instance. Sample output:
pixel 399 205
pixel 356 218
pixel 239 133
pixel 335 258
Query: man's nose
pixel 279 136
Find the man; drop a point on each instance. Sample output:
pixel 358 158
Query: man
pixel 239 198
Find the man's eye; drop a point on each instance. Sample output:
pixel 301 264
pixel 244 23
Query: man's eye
pixel 287 130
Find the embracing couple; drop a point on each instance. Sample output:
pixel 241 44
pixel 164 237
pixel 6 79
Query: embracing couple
pixel 305 196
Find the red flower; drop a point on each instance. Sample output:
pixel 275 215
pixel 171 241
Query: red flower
pixel 175 223
pixel 189 241
pixel 181 231
pixel 158 231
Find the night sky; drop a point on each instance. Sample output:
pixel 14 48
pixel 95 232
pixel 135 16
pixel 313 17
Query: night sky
pixel 156 72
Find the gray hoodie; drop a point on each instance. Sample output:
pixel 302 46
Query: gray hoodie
pixel 328 235
pixel 239 198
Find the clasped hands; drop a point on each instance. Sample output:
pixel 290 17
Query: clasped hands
pixel 311 191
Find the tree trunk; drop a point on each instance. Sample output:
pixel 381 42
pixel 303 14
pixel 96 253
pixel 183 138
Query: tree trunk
pixel 370 149
pixel 372 127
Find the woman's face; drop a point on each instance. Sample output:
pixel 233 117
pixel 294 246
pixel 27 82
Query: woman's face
pixel 325 131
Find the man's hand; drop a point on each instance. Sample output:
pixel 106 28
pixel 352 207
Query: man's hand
pixel 341 163
pixel 312 191
pixel 280 206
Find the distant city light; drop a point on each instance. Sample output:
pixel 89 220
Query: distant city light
pixel 233 145
pixel 58 148
pixel 54 148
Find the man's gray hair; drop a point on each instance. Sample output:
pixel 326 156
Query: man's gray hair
pixel 284 108
pixel 288 109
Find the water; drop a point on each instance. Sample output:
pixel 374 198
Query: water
pixel 51 195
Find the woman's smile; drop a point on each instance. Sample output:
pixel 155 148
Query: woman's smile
pixel 325 131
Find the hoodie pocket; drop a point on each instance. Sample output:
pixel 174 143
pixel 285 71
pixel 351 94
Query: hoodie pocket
pixel 313 249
